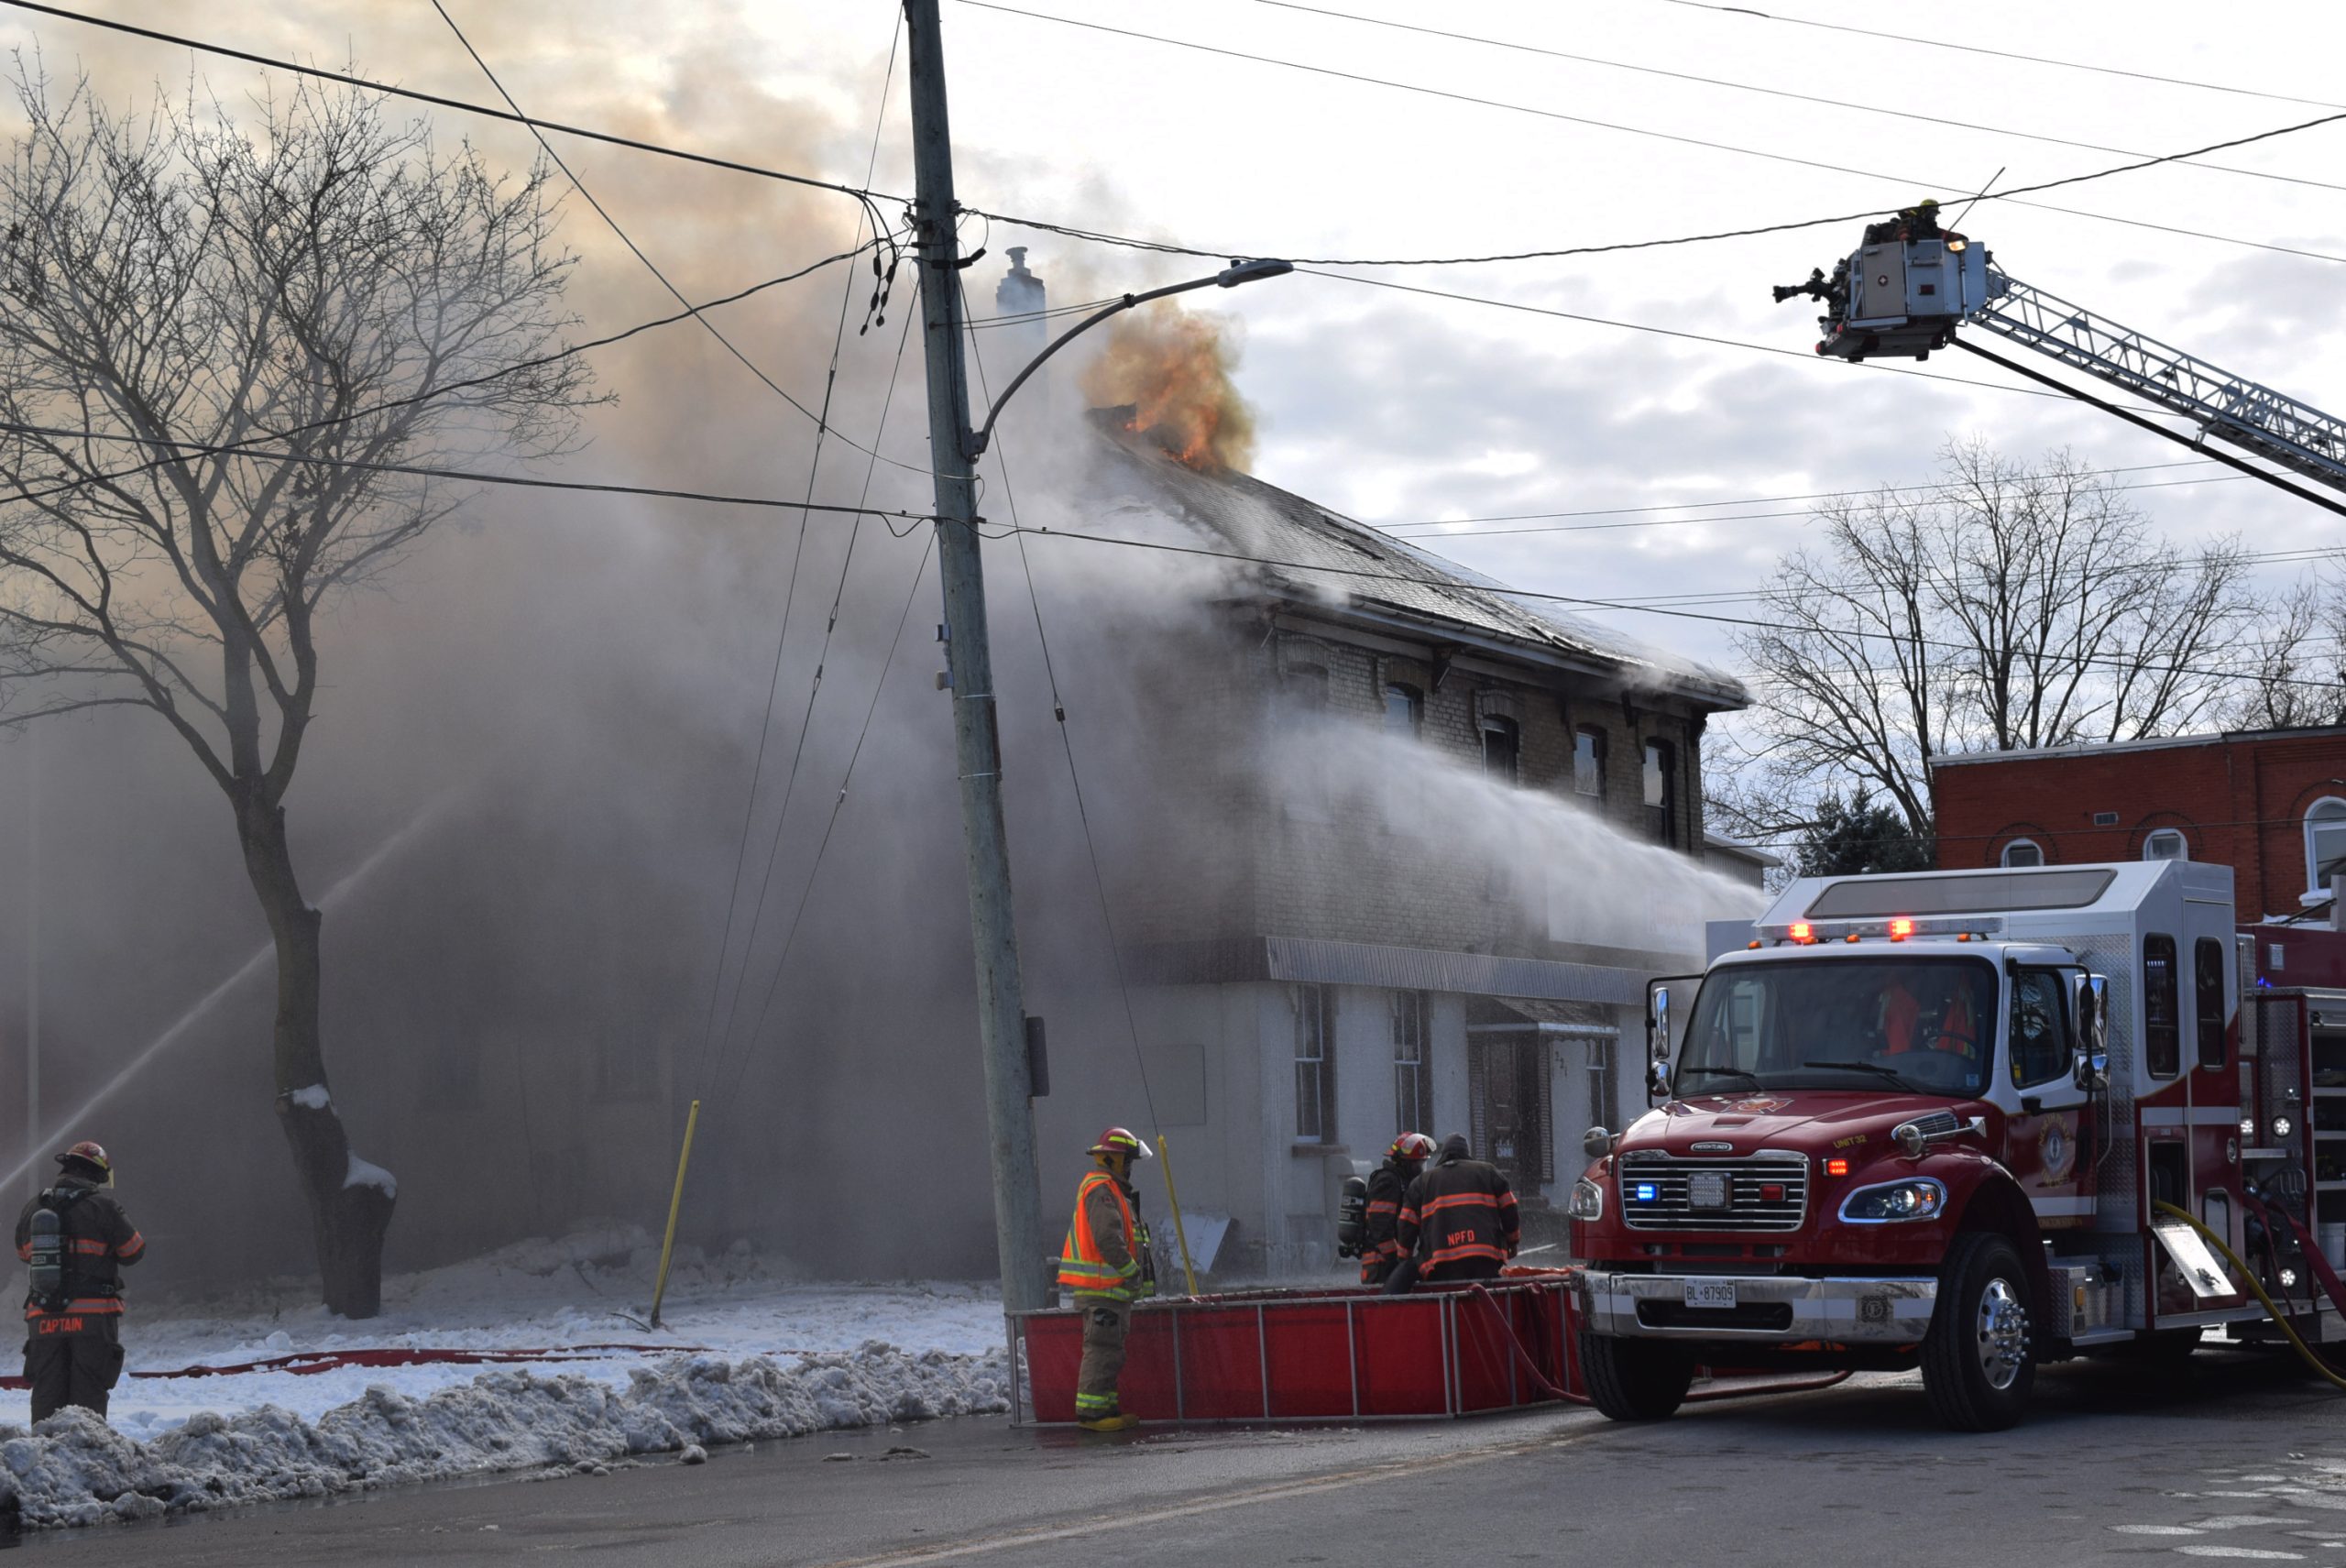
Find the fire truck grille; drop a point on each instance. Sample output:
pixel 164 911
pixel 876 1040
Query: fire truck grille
pixel 1714 1194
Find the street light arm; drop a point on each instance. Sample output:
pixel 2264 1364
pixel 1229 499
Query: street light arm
pixel 1229 278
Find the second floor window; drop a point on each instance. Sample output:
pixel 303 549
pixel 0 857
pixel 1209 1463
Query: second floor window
pixel 1588 763
pixel 1404 710
pixel 1662 792
pixel 1502 748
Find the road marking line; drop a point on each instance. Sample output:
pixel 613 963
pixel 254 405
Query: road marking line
pixel 1277 1491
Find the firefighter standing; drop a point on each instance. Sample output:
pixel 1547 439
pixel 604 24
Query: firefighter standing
pixel 1458 1221
pixel 1388 1184
pixel 73 1313
pixel 1106 1264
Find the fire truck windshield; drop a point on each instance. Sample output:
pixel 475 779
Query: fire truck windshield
pixel 1856 1023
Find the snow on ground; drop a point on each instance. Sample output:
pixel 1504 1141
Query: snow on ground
pixel 760 1353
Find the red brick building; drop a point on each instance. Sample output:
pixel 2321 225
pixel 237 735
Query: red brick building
pixel 2271 803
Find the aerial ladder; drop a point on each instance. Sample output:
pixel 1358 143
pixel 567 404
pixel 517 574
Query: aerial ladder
pixel 1910 286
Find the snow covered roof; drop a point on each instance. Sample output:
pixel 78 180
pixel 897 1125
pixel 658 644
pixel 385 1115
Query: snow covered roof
pixel 1319 555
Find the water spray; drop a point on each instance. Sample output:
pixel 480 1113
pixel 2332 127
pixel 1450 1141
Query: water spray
pixel 183 1026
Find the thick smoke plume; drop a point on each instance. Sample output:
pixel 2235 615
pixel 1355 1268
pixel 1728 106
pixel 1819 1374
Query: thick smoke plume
pixel 1174 369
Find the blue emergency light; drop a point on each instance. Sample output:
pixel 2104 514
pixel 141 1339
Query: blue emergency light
pixel 1647 1191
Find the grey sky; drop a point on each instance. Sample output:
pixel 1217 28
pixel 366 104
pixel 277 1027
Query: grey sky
pixel 1399 407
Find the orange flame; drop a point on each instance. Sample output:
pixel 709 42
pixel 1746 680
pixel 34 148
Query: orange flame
pixel 1174 370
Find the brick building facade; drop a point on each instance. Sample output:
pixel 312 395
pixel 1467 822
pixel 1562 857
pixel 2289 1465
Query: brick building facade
pixel 1348 932
pixel 2269 803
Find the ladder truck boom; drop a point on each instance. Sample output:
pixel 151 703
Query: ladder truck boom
pixel 1910 286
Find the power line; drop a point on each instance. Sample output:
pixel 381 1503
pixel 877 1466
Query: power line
pixel 781 637
pixel 2008 54
pixel 439 100
pixel 181 449
pixel 246 444
pixel 1581 601
pixel 1067 744
pixel 1425 533
pixel 1810 358
pixel 1930 119
pixel 2011 196
pixel 839 800
pixel 1750 501
pixel 871 212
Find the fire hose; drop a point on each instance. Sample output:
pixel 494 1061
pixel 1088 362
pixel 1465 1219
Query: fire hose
pixel 310 1364
pixel 1540 1380
pixel 2281 1319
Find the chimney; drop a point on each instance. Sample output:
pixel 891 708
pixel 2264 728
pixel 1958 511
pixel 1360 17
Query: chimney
pixel 1019 293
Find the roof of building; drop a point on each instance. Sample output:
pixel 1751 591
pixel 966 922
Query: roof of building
pixel 2159 743
pixel 1719 843
pixel 1315 553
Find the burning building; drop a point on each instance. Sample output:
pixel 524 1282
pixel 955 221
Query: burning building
pixel 1413 845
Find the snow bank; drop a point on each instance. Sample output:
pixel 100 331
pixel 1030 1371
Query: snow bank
pixel 74 1470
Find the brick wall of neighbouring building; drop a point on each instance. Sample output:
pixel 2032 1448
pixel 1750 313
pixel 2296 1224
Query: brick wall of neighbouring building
pixel 2240 799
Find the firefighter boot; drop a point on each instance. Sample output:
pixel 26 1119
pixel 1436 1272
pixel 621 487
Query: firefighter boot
pixel 1115 1421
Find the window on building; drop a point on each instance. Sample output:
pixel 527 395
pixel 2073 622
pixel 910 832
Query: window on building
pixel 2325 842
pixel 1502 748
pixel 2162 1019
pixel 2166 844
pixel 1662 792
pixel 2040 1027
pixel 1315 1064
pixel 1404 710
pixel 1412 1069
pixel 1305 698
pixel 2209 1013
pixel 1588 762
pixel 2022 852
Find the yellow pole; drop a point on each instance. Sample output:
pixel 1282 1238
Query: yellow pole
pixel 1188 1270
pixel 675 1201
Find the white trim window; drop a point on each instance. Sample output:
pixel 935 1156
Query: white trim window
pixel 2166 844
pixel 2325 842
pixel 2022 852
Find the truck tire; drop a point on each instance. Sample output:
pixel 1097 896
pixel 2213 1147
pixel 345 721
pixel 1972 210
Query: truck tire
pixel 1634 1380
pixel 1979 1357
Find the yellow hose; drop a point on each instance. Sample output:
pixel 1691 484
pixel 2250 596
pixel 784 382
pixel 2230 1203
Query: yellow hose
pixel 2248 1274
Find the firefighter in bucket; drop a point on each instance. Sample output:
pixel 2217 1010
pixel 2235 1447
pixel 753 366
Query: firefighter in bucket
pixel 1107 1265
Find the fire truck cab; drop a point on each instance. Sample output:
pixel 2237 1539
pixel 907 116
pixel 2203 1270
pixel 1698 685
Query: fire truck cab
pixel 1928 1121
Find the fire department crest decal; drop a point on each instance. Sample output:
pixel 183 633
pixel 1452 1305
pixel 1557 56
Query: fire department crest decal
pixel 1757 1107
pixel 2054 1153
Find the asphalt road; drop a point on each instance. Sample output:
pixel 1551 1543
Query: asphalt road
pixel 2239 1461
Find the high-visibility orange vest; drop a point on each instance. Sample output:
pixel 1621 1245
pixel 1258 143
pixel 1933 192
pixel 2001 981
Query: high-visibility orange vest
pixel 1083 1269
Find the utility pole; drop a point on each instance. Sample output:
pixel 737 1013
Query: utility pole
pixel 32 963
pixel 968 662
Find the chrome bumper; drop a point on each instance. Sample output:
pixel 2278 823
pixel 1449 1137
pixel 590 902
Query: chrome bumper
pixel 1846 1311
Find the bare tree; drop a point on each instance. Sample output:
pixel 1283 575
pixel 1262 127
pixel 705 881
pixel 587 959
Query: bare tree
pixel 2298 666
pixel 212 344
pixel 2018 606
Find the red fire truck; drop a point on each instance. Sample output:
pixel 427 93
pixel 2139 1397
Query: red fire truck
pixel 1969 1122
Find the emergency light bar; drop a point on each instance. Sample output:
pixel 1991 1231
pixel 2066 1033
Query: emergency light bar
pixel 1897 928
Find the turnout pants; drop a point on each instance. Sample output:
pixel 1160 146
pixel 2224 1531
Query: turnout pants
pixel 72 1368
pixel 1105 1321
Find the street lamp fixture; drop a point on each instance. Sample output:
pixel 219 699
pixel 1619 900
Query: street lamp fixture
pixel 1230 277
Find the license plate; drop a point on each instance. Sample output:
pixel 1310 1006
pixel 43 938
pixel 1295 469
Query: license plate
pixel 1710 1292
pixel 1708 1190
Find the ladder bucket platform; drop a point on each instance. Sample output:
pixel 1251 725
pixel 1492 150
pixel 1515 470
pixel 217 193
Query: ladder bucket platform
pixel 1339 1355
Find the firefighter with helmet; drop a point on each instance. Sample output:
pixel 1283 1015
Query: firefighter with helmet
pixel 1106 1264
pixel 77 1239
pixel 1459 1220
pixel 1380 1248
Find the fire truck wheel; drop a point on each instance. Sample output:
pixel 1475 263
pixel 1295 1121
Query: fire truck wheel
pixel 1634 1380
pixel 1979 1359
